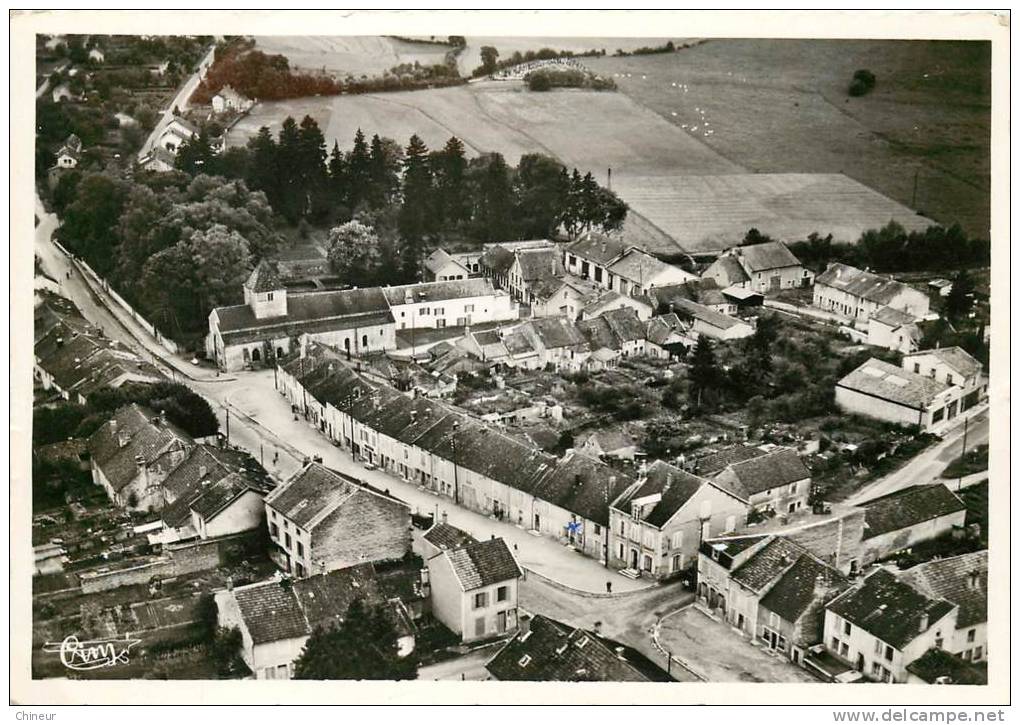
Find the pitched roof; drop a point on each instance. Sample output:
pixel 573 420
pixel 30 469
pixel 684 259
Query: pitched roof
pixel 552 651
pixel 857 282
pixel 597 248
pixel 763 257
pixel 936 666
pixel 325 598
pixel 447 536
pixel 452 289
pixel 483 563
pixel 553 332
pixel 674 485
pixel 641 267
pixel 794 593
pixel 707 315
pixel 214 499
pixel 498 260
pixel 582 485
pixel 264 278
pixel 539 263
pixel 439 258
pixel 762 473
pixel 312 494
pixel 908 507
pixel 625 324
pixel 767 563
pixel 962 580
pixel 144 435
pixel 271 611
pixel 889 609
pixel 956 358
pixel 892 317
pixel 884 380
pixel 660 329
pixel 729 267
pixel 715 462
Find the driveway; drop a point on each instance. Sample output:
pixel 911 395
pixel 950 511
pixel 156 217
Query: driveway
pixel 718 653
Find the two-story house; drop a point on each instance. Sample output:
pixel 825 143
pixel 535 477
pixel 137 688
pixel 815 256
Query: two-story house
pixel 882 624
pixel 767 267
pixel 953 366
pixel 776 481
pixel 474 589
pixel 658 523
pixel 453 303
pixel 590 257
pixel 857 294
pixel 637 272
pixel 321 520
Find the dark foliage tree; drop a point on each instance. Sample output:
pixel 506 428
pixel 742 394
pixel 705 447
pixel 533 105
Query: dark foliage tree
pixel 416 221
pixel 263 172
pixel 489 56
pixel 960 299
pixel 359 172
pixel 89 225
pixel 449 167
pixel 383 172
pixel 541 194
pixel 492 196
pixel 754 236
pixel 363 646
pixel 703 374
pixel 355 253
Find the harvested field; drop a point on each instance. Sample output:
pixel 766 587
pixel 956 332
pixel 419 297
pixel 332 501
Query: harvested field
pixel 782 106
pixel 707 213
pixel 352 55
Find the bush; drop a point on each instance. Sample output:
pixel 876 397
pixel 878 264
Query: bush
pixel 539 82
pixel 863 81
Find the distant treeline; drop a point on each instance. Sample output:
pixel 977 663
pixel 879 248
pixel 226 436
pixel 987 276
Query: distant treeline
pixel 491 63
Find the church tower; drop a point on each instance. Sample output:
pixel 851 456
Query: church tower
pixel 264 293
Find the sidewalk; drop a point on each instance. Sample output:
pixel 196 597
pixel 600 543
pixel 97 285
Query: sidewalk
pixel 272 414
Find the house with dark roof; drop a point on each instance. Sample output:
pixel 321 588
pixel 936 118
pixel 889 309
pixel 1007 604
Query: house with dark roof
pixel 894 330
pixel 563 296
pixel 881 390
pixel 558 342
pixel 602 301
pixel 767 267
pixel 591 255
pixel 133 453
pixel 775 481
pixel 441 536
pixel 882 624
pixel 858 294
pixel 277 616
pixel 607 443
pixel 213 492
pixel 619 329
pixel 658 522
pixel 702 320
pixel 899 520
pixel 962 580
pixel 533 267
pixel 546 650
pixel 175 132
pixel 666 337
pixel 321 520
pixel 474 589
pixel 637 273
pixel 770 588
pixel 703 291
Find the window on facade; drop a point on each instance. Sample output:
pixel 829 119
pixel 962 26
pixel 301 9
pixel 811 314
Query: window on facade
pixel 502 594
pixel 286 540
pixel 876 671
pixel 846 628
pixel 678 540
pixel 888 653
pixel 269 296
pixel 598 530
pixel 835 644
pixel 469 308
pixel 440 310
pixel 300 549
pixel 299 569
pixel 481 599
pixel 971 634
pixel 879 647
pixel 844 649
pixel 423 311
pixel 978 651
pixel 286 524
pixel 274 530
pixel 949 379
pixel 598 274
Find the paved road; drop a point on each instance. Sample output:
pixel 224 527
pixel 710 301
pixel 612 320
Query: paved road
pixel 179 101
pixel 928 465
pixel 470 667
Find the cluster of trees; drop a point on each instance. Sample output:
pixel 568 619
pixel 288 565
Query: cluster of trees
pixel 549 78
pixel 491 62
pixel 259 75
pixel 362 646
pixel 893 249
pixel 174 246
pixel 668 47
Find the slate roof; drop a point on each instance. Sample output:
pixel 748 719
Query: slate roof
pixel 857 282
pixel 956 358
pixel 439 291
pixel 325 598
pixel 676 486
pixel 625 324
pixel 583 486
pixel 597 248
pixel 776 468
pixel 551 651
pixel 936 664
pixel 264 278
pixel 313 493
pixel 483 563
pixel 762 257
pixel 212 500
pixel 309 307
pixel 884 380
pixel 793 594
pixel 661 328
pixel 599 334
pixel 888 609
pixel 554 332
pixel 498 260
pixel 271 611
pixel 715 462
pixel 908 507
pixel 962 580
pixel 767 563
pixel 892 317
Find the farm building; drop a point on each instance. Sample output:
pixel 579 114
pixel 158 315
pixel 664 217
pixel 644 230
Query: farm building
pixel 227 99
pixel 767 267
pixel 702 320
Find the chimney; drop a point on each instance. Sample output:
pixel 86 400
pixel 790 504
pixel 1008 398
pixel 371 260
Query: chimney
pixel 923 624
pixel 414 415
pixel 619 654
pixel 669 482
pixel 524 624
pixel 444 517
pixel 821 586
pixel 202 471
pixel 230 583
pixel 974 580
pixel 60 342
pixel 597 628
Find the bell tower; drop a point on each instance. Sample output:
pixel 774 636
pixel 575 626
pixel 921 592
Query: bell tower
pixel 264 293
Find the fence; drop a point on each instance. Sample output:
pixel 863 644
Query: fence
pixel 165 342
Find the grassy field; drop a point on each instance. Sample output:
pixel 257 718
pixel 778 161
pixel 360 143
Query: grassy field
pixel 782 106
pixel 353 55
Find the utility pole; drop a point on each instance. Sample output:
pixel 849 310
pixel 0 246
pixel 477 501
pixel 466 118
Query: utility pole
pixel 228 423
pixel 963 455
pixel 262 454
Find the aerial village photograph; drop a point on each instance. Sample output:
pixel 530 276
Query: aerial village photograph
pixel 506 358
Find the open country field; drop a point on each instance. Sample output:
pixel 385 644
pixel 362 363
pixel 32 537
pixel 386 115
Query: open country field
pixel 351 55
pixel 592 131
pixel 782 106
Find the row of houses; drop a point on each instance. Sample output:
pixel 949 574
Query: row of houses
pixel 73 359
pixel 359 321
pixel 883 627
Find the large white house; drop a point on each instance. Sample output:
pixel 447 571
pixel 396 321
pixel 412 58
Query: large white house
pixel 857 294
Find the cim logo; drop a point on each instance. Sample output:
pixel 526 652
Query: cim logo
pixel 91 654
